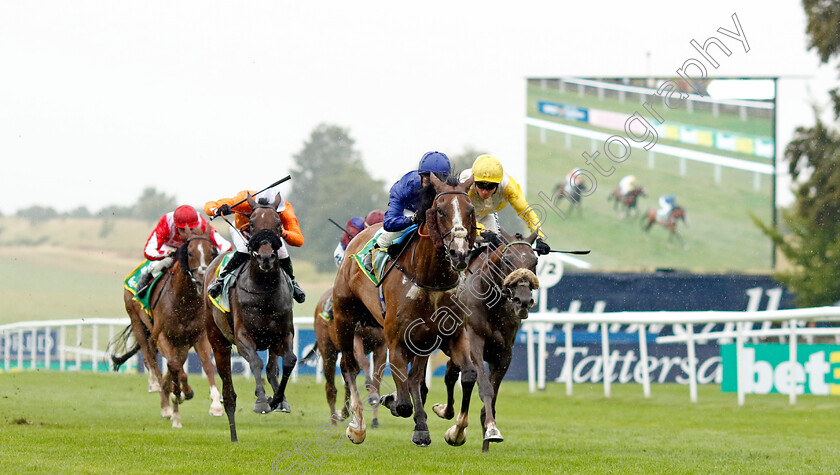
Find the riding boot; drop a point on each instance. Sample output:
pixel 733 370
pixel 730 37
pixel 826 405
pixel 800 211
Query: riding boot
pixel 236 261
pixel 367 260
pixel 145 279
pixel 297 292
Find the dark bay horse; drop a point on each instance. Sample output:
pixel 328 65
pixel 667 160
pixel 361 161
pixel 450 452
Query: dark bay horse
pixel 367 339
pixel 495 298
pixel 669 223
pixel 627 202
pixel 418 299
pixel 177 323
pixel 572 194
pixel 260 315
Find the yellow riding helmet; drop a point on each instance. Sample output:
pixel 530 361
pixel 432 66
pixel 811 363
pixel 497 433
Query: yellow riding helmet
pixel 488 168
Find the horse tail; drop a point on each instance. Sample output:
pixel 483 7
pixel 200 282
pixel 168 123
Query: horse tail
pixel 120 344
pixel 309 355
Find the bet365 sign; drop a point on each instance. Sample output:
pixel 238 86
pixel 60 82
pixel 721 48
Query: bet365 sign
pixel 767 368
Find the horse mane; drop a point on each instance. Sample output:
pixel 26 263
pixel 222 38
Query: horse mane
pixel 182 257
pixel 428 194
pixel 264 236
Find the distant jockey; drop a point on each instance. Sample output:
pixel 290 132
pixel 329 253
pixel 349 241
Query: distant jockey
pixel 404 198
pixel 353 227
pixel 667 203
pixel 171 232
pixel 291 234
pixel 574 182
pixel 493 190
pixel 626 185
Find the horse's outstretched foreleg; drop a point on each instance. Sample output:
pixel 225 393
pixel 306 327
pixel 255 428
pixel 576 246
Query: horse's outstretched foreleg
pixel 172 384
pixel 447 411
pixel 248 349
pixel 416 380
pixel 399 403
pixel 356 429
pixel 380 354
pixel 289 362
pixel 460 353
pixel 485 391
pixel 202 347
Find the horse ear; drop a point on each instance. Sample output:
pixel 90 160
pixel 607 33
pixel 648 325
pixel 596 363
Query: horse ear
pixel 533 237
pixel 251 201
pixel 277 200
pixel 467 184
pixel 435 181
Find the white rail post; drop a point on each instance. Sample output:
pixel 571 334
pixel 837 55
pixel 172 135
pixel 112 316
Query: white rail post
pixel 567 330
pixel 793 357
pixel 529 344
pixel 429 372
pixel 296 350
pixel 48 343
pixel 7 349
pixel 78 347
pixel 319 369
pixel 739 371
pixel 542 329
pixel 643 360
pixel 33 364
pixel 20 350
pixel 606 364
pixel 94 361
pixel 692 362
pixel 62 341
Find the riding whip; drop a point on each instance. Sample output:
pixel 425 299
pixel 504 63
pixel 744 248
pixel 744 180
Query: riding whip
pixel 572 252
pixel 338 226
pixel 284 179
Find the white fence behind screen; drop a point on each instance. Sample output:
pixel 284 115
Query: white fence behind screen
pixel 83 340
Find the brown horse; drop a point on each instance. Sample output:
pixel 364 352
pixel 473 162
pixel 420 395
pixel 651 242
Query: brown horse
pixel 628 202
pixel 495 298
pixel 418 301
pixel 260 315
pixel 563 190
pixel 669 223
pixel 176 324
pixel 366 340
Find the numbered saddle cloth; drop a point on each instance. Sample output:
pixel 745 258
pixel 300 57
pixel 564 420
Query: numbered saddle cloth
pixel 380 255
pixel 131 281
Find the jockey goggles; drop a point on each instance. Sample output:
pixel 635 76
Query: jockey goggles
pixel 487 186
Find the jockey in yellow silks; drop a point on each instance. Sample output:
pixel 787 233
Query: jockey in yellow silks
pixel 492 190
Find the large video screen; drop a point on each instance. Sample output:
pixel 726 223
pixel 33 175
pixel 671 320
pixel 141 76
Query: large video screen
pixel 702 153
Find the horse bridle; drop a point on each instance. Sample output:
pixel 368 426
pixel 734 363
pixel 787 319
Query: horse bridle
pixel 191 270
pixel 507 262
pixel 444 236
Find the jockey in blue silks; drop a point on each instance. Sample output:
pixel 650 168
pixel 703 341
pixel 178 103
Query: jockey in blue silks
pixel 404 199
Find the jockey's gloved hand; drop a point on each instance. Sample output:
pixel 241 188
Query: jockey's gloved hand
pixel 222 210
pixel 415 218
pixel 541 247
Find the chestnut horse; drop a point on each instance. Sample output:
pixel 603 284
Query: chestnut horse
pixel 572 194
pixel 628 202
pixel 495 298
pixel 418 300
pixel 260 315
pixel 366 340
pixel 669 223
pixel 177 323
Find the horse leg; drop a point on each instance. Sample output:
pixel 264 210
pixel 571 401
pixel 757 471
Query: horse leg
pixel 289 362
pixel 460 353
pixel 356 429
pixel 380 353
pixel 359 350
pixel 246 347
pixel 202 347
pixel 272 367
pixel 399 403
pixel 447 411
pixel 416 378
pixel 330 358
pixel 485 392
pixel 222 353
pixel 172 386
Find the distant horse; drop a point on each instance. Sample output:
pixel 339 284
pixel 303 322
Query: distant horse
pixel 417 296
pixel 497 294
pixel 572 194
pixel 366 340
pixel 260 315
pixel 669 223
pixel 177 323
pixel 628 202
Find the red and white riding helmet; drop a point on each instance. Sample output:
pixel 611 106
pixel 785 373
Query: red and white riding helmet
pixel 186 217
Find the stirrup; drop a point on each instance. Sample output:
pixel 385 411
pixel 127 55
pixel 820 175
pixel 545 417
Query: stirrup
pixel 297 293
pixel 215 288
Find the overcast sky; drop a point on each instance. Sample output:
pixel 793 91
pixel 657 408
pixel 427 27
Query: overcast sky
pixel 100 99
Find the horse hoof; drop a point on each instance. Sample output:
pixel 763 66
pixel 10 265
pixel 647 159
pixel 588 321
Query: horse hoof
pixel 373 399
pixel 388 400
pixel 492 434
pixel 176 423
pixel 262 407
pixel 283 407
pixel 154 388
pixel 357 436
pixel 440 410
pixel 188 394
pixel 374 424
pixel 176 399
pixel 217 410
pixel 421 438
pixel 166 412
pixel 455 437
pixel 402 410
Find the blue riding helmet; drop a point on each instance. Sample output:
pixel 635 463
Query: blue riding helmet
pixel 434 162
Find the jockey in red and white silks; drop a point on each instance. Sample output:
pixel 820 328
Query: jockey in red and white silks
pixel 170 234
